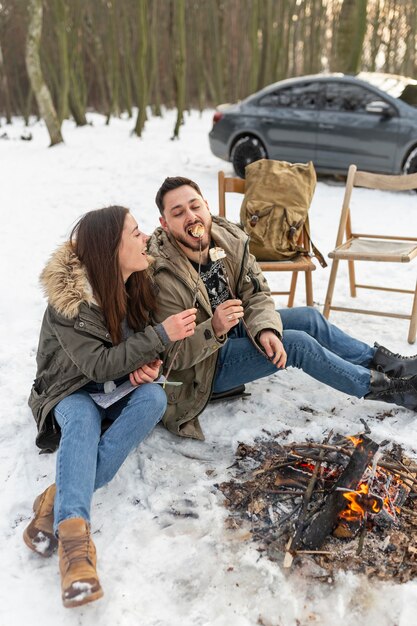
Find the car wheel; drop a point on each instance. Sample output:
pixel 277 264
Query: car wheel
pixel 246 150
pixel 410 164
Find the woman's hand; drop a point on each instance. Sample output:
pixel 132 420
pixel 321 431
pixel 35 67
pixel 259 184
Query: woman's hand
pixel 146 373
pixel 180 325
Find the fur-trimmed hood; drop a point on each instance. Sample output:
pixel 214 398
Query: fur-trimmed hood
pixel 65 282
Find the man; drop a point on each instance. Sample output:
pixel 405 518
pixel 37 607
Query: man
pixel 239 336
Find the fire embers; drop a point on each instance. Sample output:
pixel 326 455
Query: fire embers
pixel 300 499
pixel 361 502
pixel 376 501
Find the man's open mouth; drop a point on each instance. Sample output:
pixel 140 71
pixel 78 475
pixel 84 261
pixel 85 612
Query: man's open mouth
pixel 196 230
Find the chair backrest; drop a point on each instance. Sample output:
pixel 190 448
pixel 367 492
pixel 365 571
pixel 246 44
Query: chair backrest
pixel 383 182
pixel 228 184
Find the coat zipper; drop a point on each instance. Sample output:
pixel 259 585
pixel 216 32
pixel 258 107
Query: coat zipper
pixel 166 266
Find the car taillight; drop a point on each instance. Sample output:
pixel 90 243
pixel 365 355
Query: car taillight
pixel 217 117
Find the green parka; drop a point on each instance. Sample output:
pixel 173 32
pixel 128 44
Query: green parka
pixel 75 346
pixel 195 363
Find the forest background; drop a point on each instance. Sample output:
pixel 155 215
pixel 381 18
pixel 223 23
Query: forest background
pixel 62 58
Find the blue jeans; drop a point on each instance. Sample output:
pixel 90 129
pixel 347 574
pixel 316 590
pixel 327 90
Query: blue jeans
pixel 87 459
pixel 312 344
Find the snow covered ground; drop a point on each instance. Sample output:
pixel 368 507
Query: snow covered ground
pixel 165 557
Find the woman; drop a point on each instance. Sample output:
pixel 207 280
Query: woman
pixel 94 337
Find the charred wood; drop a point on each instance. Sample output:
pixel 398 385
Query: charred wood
pixel 322 524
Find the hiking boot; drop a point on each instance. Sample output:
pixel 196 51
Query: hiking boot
pixel 77 563
pixel 39 535
pixel 394 365
pixel 401 391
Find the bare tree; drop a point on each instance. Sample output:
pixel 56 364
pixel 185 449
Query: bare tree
pixel 4 88
pixel 350 36
pixel 180 63
pixel 34 69
pixel 141 66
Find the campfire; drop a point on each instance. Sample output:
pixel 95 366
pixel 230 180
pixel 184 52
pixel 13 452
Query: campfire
pixel 347 503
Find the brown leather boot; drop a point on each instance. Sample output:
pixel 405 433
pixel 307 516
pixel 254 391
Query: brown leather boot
pixel 39 535
pixel 77 563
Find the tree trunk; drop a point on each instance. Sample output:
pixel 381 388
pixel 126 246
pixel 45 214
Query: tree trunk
pixel 4 88
pixel 180 63
pixel 33 64
pixel 77 86
pixel 350 36
pixel 254 45
pixel 60 12
pixel 141 66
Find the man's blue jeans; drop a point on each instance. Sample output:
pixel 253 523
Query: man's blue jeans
pixel 86 459
pixel 312 344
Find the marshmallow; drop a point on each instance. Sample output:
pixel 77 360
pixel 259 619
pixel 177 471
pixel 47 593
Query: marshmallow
pixel 197 230
pixel 217 253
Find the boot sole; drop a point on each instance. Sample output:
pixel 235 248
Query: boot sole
pixel 36 546
pixel 72 603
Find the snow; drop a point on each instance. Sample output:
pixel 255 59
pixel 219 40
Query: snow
pixel 164 554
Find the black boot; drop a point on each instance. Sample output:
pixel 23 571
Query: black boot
pixel 393 365
pixel 401 391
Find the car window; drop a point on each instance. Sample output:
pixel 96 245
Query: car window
pixel 300 96
pixel 347 97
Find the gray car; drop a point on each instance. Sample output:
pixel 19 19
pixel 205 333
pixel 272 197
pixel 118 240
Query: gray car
pixel 331 119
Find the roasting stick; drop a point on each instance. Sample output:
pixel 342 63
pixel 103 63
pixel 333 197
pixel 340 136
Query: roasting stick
pixel 174 356
pixel 294 540
pixel 249 334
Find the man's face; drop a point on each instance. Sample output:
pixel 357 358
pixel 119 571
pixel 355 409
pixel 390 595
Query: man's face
pixel 184 207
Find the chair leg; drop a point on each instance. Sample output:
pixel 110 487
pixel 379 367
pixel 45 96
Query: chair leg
pixel 352 278
pixel 330 288
pixel 292 289
pixel 413 322
pixel 309 288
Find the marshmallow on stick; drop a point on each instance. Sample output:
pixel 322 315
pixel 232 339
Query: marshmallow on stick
pixel 217 253
pixel 197 230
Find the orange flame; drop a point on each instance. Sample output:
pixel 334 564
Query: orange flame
pixel 360 501
pixel 354 511
pixel 355 440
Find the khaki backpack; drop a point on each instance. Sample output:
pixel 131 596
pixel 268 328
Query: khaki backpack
pixel 275 208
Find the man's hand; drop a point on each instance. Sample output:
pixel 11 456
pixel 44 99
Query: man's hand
pixel 273 348
pixel 146 373
pixel 226 316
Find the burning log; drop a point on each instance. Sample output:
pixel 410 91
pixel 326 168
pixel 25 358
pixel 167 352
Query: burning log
pixel 323 523
pixel 373 495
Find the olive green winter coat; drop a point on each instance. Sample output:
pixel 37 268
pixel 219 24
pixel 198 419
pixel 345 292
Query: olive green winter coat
pixel 195 364
pixel 75 346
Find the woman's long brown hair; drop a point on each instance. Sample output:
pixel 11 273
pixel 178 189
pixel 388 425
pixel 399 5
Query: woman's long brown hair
pixel 96 239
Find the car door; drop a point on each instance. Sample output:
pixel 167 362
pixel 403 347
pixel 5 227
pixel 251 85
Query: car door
pixel 287 120
pixel 347 133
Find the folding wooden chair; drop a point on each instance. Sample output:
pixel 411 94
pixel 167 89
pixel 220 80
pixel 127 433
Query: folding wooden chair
pixel 370 247
pixel 300 263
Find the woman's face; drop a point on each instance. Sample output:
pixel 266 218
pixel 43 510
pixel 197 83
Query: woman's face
pixel 132 249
